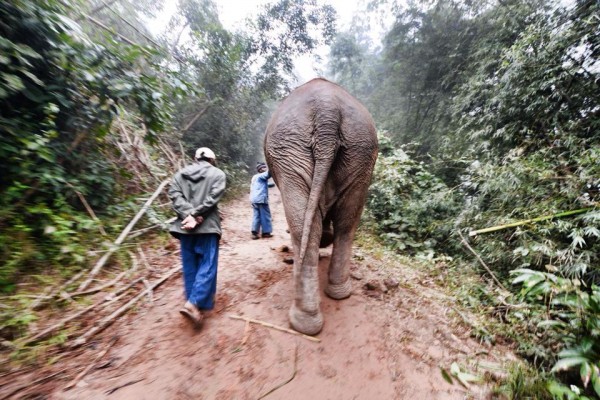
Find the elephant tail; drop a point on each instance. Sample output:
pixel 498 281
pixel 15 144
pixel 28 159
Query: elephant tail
pixel 325 146
pixel 318 183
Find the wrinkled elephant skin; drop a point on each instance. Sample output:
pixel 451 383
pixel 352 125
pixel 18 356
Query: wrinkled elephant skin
pixel 321 147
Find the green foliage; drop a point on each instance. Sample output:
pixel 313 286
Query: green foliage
pixel 528 187
pixel 572 321
pixel 525 383
pixel 58 95
pixel 410 205
pixel 540 95
pixel 540 159
pixel 503 97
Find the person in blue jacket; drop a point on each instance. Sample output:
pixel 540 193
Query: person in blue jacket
pixel 259 198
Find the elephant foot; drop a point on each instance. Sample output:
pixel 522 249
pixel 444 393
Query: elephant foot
pixel 309 324
pixel 339 291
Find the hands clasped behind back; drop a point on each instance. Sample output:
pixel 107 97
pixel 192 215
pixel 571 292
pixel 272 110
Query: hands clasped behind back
pixel 190 222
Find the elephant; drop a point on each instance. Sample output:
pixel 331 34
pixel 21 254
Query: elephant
pixel 321 147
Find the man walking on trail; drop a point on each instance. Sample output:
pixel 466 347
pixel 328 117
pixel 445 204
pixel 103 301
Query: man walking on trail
pixel 259 197
pixel 195 192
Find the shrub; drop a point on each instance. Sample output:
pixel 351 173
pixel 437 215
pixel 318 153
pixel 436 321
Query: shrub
pixel 410 206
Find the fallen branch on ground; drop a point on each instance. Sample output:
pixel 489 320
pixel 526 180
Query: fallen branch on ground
pixel 282 384
pixel 91 365
pixel 279 328
pixel 99 288
pixel 140 232
pixel 195 118
pixel 106 321
pixel 118 294
pixel 111 391
pixel 148 291
pixel 143 258
pixel 30 385
pixel 166 149
pixel 51 293
pixel 122 236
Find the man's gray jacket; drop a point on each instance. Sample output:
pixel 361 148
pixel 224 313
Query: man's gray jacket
pixel 196 190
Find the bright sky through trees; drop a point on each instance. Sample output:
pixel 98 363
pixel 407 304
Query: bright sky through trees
pixel 232 14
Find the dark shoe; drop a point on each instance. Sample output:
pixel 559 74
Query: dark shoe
pixel 192 313
pixel 255 236
pixel 267 235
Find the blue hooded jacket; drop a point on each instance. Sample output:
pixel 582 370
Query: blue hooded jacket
pixel 259 190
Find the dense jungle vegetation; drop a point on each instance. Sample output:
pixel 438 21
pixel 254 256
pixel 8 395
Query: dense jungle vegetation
pixel 488 112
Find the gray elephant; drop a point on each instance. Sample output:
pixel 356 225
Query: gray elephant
pixel 321 147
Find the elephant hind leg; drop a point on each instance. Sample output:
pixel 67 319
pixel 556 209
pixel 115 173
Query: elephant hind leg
pixel 338 283
pixel 346 216
pixel 305 313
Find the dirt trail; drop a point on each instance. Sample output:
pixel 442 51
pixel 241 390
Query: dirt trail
pixel 374 345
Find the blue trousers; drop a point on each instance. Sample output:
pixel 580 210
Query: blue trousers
pixel 261 217
pixel 200 256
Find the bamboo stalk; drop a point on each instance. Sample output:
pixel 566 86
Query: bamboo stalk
pixel 88 208
pixel 194 119
pixel 528 221
pixel 182 160
pixel 122 237
pixel 464 242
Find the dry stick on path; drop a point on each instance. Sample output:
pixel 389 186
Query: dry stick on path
pixel 148 291
pixel 122 237
pixel 117 295
pixel 29 385
pixel 111 391
pixel 169 153
pixel 279 328
pixel 143 258
pixel 464 242
pixel 91 365
pixel 99 288
pixel 106 321
pixel 282 384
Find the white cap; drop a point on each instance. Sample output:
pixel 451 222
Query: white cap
pixel 204 152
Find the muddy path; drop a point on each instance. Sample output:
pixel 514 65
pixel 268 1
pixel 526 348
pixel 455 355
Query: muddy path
pixel 384 342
